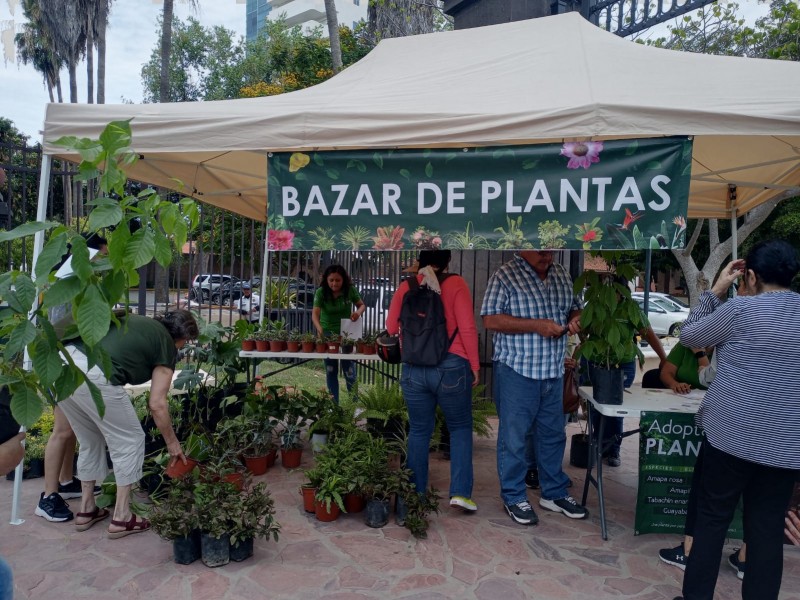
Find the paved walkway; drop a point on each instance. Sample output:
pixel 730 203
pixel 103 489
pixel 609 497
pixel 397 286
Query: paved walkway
pixel 484 556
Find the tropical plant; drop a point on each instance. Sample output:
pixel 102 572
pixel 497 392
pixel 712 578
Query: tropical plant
pixel 551 235
pixel 381 402
pixel 331 490
pixel 514 237
pixel 213 500
pixel 174 515
pixel 96 285
pixel 467 240
pixel 355 237
pixel 35 47
pixel 251 515
pixel 322 238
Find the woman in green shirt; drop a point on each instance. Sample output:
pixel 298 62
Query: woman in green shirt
pixel 680 372
pixel 334 301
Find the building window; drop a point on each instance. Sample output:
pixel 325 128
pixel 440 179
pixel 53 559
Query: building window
pixel 357 2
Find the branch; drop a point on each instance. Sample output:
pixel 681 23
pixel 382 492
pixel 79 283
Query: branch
pixel 687 251
pixel 713 233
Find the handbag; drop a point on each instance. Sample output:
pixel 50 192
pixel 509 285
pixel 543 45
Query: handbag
pixel 571 399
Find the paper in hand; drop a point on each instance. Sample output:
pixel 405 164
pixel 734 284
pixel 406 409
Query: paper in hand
pixel 353 329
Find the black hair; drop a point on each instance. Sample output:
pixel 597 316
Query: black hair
pixel 435 258
pixel 180 323
pixel 775 262
pixel 327 293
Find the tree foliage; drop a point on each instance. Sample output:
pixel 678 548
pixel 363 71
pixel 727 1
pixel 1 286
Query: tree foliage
pixel 96 285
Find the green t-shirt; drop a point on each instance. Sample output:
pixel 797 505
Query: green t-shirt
pixel 684 358
pixel 332 312
pixel 137 349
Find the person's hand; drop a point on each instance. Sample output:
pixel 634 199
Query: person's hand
pixel 176 453
pixel 732 271
pixel 570 363
pixel 574 325
pixel 475 377
pixel 792 530
pixel 355 316
pixel 551 329
pixel 11 452
pixel 680 388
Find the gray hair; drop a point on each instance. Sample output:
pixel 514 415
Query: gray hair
pixel 180 324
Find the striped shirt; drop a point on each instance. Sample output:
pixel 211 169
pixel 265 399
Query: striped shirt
pixel 752 407
pixel 516 290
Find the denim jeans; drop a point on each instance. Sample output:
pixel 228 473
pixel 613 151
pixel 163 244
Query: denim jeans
pixel 614 424
pixel 524 404
pixel 348 368
pixel 6 581
pixel 530 446
pixel 448 384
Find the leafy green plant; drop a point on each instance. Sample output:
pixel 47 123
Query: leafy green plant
pixel 514 237
pixel 551 234
pixel 330 490
pixel 381 402
pixel 467 240
pixel 175 514
pixel 251 515
pixel 96 285
pixel 355 237
pixel 213 499
pixel 322 238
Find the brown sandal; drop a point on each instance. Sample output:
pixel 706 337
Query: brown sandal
pixel 131 526
pixel 97 515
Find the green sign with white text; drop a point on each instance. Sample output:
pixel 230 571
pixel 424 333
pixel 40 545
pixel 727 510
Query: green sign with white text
pixel 617 194
pixel 668 448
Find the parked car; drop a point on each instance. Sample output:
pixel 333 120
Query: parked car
pixel 204 285
pixel 301 293
pixel 664 300
pixel 663 321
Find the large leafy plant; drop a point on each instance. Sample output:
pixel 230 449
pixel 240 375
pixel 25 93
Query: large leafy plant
pixel 139 227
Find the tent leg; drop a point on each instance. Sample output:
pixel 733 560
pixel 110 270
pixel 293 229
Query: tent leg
pixel 648 267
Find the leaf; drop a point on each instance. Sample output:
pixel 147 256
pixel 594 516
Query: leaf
pixel 81 265
pixel 429 170
pixel 105 216
pixel 22 335
pixel 69 380
pixel 638 238
pixel 93 316
pixel 140 249
pixel 332 174
pixel 450 156
pixel 273 181
pixel 632 148
pixel 162 251
pixel 114 286
pixel 378 160
pixel 97 397
pixel 318 160
pixel 530 164
pixel 21 300
pixel 653 165
pixel 29 228
pixel 687 170
pixel 405 173
pixel 503 153
pixel 619 237
pixel 117 246
pixel 51 255
pixel 26 405
pixel 62 291
pixel 46 362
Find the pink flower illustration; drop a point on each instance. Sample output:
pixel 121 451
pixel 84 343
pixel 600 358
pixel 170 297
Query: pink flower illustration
pixel 280 239
pixel 581 154
pixel 389 238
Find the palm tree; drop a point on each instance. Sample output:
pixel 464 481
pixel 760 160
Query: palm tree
pixel 67 26
pixel 166 46
pixel 34 46
pixel 100 23
pixel 333 35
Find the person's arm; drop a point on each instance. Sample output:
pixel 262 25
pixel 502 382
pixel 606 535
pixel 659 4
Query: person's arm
pixel 574 321
pixel 508 324
pixel 11 453
pixel 159 388
pixel 655 344
pixel 792 530
pixel 360 308
pixel 668 378
pixel 393 317
pixel 315 314
pixel 465 321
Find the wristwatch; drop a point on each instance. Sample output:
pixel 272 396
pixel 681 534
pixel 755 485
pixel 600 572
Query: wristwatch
pixel 699 354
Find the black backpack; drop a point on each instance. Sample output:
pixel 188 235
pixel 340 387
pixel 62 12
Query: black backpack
pixel 423 332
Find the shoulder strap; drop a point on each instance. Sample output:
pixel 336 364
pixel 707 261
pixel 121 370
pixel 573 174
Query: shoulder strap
pixel 413 283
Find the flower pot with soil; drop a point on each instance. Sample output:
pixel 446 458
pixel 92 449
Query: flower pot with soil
pixel 186 549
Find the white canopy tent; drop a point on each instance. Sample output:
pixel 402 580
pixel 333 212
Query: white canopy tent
pixel 536 81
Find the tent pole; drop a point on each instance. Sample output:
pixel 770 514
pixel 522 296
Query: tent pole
pixel 38 244
pixel 264 260
pixel 734 227
pixel 648 266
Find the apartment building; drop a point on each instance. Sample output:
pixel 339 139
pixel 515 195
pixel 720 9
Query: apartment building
pixel 307 13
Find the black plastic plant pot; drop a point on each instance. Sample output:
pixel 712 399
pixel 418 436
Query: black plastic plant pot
pixel 186 550
pixel 579 450
pixel 376 513
pixel 347 348
pixel 215 551
pixel 241 550
pixel 607 384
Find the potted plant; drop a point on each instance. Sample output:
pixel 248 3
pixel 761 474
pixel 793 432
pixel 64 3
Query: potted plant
pixel 174 518
pixel 245 333
pixel 293 341
pixel 291 444
pixel 368 343
pixel 277 336
pixel 329 502
pixel 251 515
pixel 322 344
pixel 213 498
pixel 384 409
pixel 262 337
pixel 610 321
pixel 332 342
pixel 347 344
pixel 308 341
pixel 309 490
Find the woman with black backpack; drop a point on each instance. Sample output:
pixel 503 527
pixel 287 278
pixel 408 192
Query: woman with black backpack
pixel 434 315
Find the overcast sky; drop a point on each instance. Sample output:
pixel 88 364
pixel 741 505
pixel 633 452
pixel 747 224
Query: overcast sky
pixel 131 38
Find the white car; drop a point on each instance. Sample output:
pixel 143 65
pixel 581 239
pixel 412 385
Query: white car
pixel 664 319
pixel 664 300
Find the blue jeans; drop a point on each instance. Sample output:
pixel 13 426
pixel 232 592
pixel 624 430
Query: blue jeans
pixel 614 424
pixel 448 384
pixel 524 404
pixel 348 368
pixel 6 581
pixel 530 446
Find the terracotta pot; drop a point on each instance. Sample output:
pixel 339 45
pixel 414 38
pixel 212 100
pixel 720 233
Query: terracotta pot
pixel 257 465
pixel 368 349
pixel 262 345
pixel 277 346
pixel 237 479
pixel 322 347
pixel 354 503
pixel 248 345
pixel 271 456
pixel 325 514
pixel 293 346
pixel 333 347
pixel 308 493
pixel 179 469
pixel 291 457
pixel 309 346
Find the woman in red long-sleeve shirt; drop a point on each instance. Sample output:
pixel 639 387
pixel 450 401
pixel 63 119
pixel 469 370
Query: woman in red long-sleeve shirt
pixel 448 384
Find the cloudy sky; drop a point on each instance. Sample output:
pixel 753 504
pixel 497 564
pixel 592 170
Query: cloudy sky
pixel 131 38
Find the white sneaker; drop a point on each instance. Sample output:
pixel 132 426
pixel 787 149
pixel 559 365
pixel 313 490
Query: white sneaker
pixel 463 503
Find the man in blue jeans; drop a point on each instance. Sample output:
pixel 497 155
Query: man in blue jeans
pixel 530 306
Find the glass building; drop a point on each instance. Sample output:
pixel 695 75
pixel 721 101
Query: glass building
pixel 257 12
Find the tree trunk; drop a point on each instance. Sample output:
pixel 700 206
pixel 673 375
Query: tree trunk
pixel 101 58
pixel 73 82
pixel 89 63
pixel 161 283
pixel 58 90
pixel 333 35
pixel 166 50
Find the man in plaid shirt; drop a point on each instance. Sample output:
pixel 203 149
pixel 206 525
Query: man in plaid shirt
pixel 530 307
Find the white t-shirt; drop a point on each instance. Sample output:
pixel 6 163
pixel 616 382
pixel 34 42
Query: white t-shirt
pixel 249 307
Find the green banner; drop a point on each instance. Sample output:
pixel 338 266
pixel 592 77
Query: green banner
pixel 668 447
pixel 617 194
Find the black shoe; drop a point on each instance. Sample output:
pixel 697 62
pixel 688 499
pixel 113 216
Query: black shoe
pixel 674 556
pixel 53 508
pixel 73 489
pixel 532 479
pixel 613 459
pixel 566 505
pixel 522 512
pixel 736 564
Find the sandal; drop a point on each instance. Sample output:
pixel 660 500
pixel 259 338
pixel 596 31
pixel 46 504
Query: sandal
pixel 97 515
pixel 132 526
